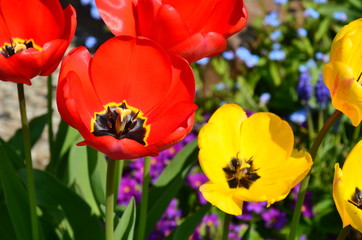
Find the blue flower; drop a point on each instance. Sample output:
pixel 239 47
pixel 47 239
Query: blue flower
pixel 302 32
pixel 322 93
pixel 249 59
pixel 280 2
pixel 322 57
pixel 340 16
pixel 264 98
pixel 203 61
pixel 228 55
pixel 90 42
pixel 299 116
pixel 277 55
pixel 274 36
pixel 272 19
pixel 304 87
pixel 311 13
pixel 320 1
pixel 311 63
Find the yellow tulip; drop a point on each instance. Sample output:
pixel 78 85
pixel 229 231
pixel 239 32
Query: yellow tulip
pixel 248 159
pixel 342 74
pixel 347 189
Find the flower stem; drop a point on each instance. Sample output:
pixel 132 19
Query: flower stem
pixel 111 167
pixel 49 116
pixel 144 202
pixel 117 178
pixel 225 228
pixel 28 162
pixel 344 232
pixel 304 185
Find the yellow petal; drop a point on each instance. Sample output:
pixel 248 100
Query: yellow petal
pixel 219 141
pixel 352 171
pixel 345 91
pixel 355 215
pixel 338 195
pixel 223 198
pixel 267 139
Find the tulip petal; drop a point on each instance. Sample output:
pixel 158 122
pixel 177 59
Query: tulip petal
pixel 222 197
pixel 219 141
pixel 266 139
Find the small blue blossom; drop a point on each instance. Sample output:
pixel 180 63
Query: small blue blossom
pixel 90 42
pixel 302 68
pixel 94 12
pixel 272 19
pixel 311 13
pixel 264 98
pixel 277 55
pixel 249 59
pixel 302 32
pixel 320 1
pixel 203 61
pixel 304 87
pixel 276 46
pixel 322 57
pixel 280 2
pixel 311 63
pixel 340 16
pixel 220 86
pixel 299 116
pixel 228 55
pixel 274 36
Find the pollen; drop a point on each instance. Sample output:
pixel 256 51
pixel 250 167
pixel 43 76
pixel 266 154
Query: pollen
pixel 240 173
pixel 121 121
pixel 17 45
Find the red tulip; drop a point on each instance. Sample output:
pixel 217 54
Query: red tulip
pixel 189 28
pixel 130 100
pixel 34 35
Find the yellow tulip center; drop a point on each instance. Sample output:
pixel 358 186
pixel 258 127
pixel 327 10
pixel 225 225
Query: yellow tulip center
pixel 356 198
pixel 17 45
pixel 240 173
pixel 121 121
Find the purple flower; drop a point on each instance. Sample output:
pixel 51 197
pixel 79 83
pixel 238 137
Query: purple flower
pixel 128 188
pixel 307 208
pixel 234 230
pixel 304 87
pixel 249 208
pixel 322 93
pixel 274 218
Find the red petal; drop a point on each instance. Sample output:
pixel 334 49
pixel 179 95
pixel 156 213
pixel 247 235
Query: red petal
pixel 9 73
pixel 118 16
pixel 40 20
pixel 133 69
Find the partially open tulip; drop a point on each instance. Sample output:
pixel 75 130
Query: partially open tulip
pixel 191 29
pixel 34 36
pixel 347 189
pixel 342 75
pixel 248 159
pixel 130 100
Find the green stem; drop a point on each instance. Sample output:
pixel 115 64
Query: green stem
pixel 118 178
pixel 304 185
pixel 225 228
pixel 28 162
pixel 49 116
pixel 111 167
pixel 344 232
pixel 144 202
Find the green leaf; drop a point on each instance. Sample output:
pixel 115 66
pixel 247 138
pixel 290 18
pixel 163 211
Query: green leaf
pixel 184 231
pixel 274 73
pixel 322 29
pixel 52 193
pixel 97 169
pixel 16 198
pixel 169 183
pixel 126 225
pixel 78 176
pixel 36 127
pixel 17 161
pixel 5 223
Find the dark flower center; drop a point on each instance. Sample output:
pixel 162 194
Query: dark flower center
pixel 17 45
pixel 240 173
pixel 121 121
pixel 356 198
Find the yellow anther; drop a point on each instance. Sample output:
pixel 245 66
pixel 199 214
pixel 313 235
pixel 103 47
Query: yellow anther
pixel 122 114
pixel 19 47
